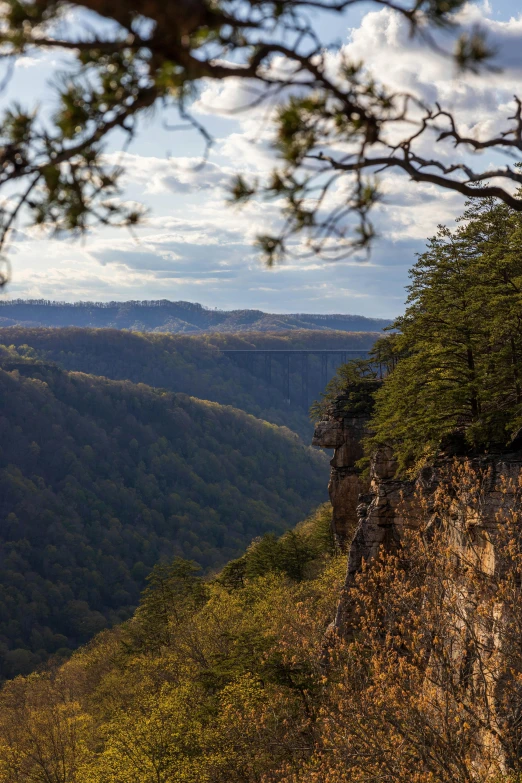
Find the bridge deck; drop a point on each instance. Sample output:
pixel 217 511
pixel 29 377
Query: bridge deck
pixel 295 350
pixel 283 358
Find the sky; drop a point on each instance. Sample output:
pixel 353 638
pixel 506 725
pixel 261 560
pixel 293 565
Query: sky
pixel 194 247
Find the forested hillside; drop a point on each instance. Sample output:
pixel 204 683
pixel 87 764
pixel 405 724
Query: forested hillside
pixel 193 365
pixel 232 679
pixel 210 681
pixel 174 317
pixel 100 479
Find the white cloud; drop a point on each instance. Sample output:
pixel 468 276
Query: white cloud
pixel 195 247
pixel 482 103
pixel 171 175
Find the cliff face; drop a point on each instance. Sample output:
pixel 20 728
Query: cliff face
pixel 343 432
pixel 370 513
pixel 375 513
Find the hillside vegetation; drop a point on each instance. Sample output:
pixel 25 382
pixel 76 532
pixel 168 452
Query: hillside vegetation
pixel 194 365
pixel 452 368
pixel 174 317
pixel 237 680
pixel 210 681
pixel 457 380
pixel 101 479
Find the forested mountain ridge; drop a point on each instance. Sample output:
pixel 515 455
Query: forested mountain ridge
pixel 101 479
pixel 192 365
pixel 175 317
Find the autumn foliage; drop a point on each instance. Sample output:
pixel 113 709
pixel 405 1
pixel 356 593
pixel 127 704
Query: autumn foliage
pixel 239 678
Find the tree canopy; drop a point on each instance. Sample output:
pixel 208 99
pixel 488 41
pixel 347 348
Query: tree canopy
pixel 334 120
pixel 461 340
pixel 100 480
pixel 453 367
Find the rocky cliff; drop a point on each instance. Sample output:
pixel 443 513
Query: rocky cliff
pixel 343 431
pixel 484 498
pixel 370 512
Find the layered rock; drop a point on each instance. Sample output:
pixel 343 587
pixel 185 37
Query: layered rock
pixel 391 503
pixel 372 514
pixel 369 513
pixel 343 431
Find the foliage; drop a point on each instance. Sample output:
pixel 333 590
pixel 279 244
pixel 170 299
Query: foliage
pixel 355 383
pixel 452 371
pixel 226 695
pixel 173 591
pixel 290 554
pixel 192 365
pixel 458 384
pixel 100 480
pixel 424 685
pixel 335 126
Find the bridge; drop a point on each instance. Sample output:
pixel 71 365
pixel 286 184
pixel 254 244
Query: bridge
pixel 291 361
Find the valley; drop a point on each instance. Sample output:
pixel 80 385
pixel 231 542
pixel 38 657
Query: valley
pixel 246 534
pixel 121 450
pixel 195 365
pixel 102 479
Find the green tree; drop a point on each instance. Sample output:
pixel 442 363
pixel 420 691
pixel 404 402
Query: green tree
pixel 173 592
pixel 359 379
pixel 458 381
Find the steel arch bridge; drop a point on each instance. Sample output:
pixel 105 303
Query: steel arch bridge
pixel 291 361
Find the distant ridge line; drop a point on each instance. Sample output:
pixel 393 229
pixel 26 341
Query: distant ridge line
pixel 181 317
pixel 105 305
pixel 179 303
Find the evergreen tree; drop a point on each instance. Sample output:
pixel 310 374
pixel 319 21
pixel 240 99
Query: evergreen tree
pixel 173 590
pixel 458 381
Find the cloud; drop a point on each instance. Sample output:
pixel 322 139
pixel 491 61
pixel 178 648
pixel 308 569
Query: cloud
pixel 133 259
pixel 194 247
pixel 201 261
pixel 171 175
pixel 43 59
pixel 482 103
pixel 27 62
pixel 403 63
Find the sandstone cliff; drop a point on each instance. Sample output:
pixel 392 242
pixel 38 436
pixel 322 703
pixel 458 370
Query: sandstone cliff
pixel 375 513
pixel 343 431
pixel 368 513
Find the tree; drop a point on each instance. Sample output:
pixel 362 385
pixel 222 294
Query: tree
pixel 154 738
pixel 43 730
pixel 457 384
pixel 425 686
pixel 154 52
pixel 172 592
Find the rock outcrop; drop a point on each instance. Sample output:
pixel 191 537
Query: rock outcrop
pixel 480 493
pixel 343 431
pixel 368 513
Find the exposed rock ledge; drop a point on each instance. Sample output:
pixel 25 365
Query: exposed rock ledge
pixel 343 432
pixel 369 513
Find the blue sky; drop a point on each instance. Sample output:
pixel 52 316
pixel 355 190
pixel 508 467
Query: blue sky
pixel 194 247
